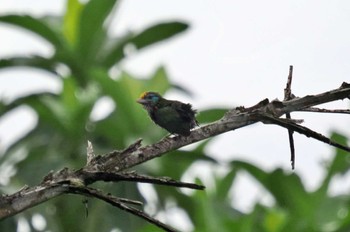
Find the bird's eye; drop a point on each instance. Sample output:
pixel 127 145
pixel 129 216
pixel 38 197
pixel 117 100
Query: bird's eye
pixel 153 98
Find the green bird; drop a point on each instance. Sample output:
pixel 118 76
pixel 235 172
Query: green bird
pixel 174 116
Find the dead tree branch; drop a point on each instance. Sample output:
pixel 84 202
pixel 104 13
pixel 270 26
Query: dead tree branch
pixel 320 110
pixel 288 96
pixel 232 120
pixel 112 166
pixel 115 201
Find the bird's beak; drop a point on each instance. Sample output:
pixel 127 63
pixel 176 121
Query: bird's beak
pixel 141 101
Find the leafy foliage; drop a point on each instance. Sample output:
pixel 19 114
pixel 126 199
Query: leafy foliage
pixel 82 45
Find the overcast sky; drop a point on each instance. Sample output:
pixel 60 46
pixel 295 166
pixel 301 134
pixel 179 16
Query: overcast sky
pixel 235 53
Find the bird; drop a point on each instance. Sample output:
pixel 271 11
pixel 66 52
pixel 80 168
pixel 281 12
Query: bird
pixel 174 116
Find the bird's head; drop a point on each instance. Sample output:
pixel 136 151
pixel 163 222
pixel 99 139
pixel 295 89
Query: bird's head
pixel 149 99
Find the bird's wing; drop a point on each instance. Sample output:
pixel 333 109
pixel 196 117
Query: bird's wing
pixel 185 111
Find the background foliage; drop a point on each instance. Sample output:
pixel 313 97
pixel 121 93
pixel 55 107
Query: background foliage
pixel 85 60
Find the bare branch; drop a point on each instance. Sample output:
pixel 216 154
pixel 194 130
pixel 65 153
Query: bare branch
pixel 304 130
pixel 288 89
pixel 134 177
pixel 320 110
pixel 27 198
pixel 288 96
pixel 115 201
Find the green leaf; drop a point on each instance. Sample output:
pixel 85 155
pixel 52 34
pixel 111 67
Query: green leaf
pixel 69 94
pixel 260 175
pixel 211 115
pixel 10 224
pixel 211 214
pixel 39 62
pixel 331 210
pixel 40 151
pixel 75 105
pixel 224 185
pixel 150 228
pixel 50 112
pixel 125 91
pixel 36 26
pixel 158 33
pixel 287 189
pixel 91 34
pixel 71 20
pixel 150 36
pixel 184 159
pixel 158 81
pixel 341 161
pixel 275 220
pixel 206 218
pixel 182 89
pixel 339 164
pixel 25 100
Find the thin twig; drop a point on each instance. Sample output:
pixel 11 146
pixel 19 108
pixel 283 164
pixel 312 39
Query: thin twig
pixel 288 96
pixel 288 89
pixel 115 201
pixel 320 110
pixel 134 177
pixel 304 130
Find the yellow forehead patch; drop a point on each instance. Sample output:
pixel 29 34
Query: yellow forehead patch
pixel 143 95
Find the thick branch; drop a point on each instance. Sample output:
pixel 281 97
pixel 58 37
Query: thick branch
pixel 27 198
pixel 232 120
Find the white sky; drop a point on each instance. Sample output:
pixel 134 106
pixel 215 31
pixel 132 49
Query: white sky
pixel 235 53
